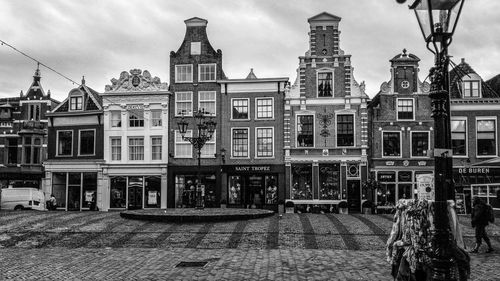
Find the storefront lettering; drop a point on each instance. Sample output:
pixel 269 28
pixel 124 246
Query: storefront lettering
pixel 422 163
pixel 252 168
pixel 389 163
pixel 135 106
pixel 474 170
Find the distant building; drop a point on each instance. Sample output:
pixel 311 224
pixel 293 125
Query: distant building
pixel 475 109
pixel 75 151
pixel 325 125
pixel 136 130
pixel 401 133
pixel 253 174
pixel 23 136
pixel 194 70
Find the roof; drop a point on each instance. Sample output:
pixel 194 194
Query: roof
pixel 324 16
pixel 494 83
pixel 196 21
pixel 35 91
pixel 92 101
pixel 251 75
pixel 405 58
pixel 462 70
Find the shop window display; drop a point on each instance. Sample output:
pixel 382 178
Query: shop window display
pixel 74 185
pixel 118 192
pixel 59 188
pixel 89 191
pixel 152 188
pixel 186 188
pixel 329 181
pixel 271 190
pixel 302 182
pixel 235 190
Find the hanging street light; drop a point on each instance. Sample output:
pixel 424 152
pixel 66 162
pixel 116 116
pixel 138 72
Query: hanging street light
pixel 206 129
pixel 437 20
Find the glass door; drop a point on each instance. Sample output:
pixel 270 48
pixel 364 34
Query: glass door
pixel 135 185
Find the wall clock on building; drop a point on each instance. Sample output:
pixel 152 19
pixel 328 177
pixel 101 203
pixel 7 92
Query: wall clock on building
pixel 405 84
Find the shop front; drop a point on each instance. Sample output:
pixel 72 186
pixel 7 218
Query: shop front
pixel 184 181
pixel 75 191
pixel 135 192
pixel 395 185
pixel 481 181
pixel 253 186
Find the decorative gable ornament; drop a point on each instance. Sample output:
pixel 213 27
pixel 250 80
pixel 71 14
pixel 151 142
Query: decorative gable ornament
pixel 136 81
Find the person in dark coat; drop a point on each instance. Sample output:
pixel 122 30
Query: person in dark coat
pixel 479 220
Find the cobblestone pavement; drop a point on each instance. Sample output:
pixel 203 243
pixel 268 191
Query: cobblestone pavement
pixel 103 246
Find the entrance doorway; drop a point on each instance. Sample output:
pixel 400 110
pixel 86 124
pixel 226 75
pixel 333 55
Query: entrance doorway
pixel 353 196
pixel 135 193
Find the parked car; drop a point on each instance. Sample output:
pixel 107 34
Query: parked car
pixel 21 198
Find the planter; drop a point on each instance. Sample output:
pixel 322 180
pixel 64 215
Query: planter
pixel 343 211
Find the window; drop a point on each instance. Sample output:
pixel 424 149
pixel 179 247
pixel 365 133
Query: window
pixel 116 149
pixel 302 182
pixel 116 119
pixel 64 143
pixel 184 103
pixel 391 146
pixel 87 139
pixel 12 150
pixel 345 130
pixel 34 112
pixel 419 144
pixel 265 142
pixel 459 137
pixel 486 140
pixel 405 109
pixel 325 84
pixel 264 108
pixel 240 142
pixel 471 89
pixel 27 150
pixel 207 72
pixel 240 109
pixel 208 150
pixel 305 130
pixel 329 180
pixel 136 148
pixel 195 48
pixel 136 118
pixel 76 103
pixel 156 118
pixel 156 148
pixel 183 148
pixel 206 102
pixel 183 73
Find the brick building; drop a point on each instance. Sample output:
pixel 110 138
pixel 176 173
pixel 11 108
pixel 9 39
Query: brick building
pixel 253 174
pixel 23 136
pixel 75 151
pixel 401 133
pixel 194 70
pixel 325 125
pixel 475 110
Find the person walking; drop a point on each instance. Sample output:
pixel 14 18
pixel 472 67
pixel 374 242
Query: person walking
pixel 479 220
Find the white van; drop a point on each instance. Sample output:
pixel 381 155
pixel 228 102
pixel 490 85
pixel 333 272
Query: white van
pixel 21 198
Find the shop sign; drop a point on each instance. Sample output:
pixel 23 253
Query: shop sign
pixel 425 186
pixel 389 163
pixel 473 170
pixel 88 196
pixel 387 177
pixel 252 168
pixel 422 163
pixel 135 106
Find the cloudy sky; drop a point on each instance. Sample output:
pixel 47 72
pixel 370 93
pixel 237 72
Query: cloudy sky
pixel 101 38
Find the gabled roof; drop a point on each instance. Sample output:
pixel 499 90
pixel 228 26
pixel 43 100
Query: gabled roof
pixel 494 83
pixel 35 91
pixel 405 58
pixel 251 75
pixel 324 17
pixel 461 70
pixel 92 101
pixel 196 21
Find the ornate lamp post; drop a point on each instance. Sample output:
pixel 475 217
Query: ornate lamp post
pixel 437 20
pixel 206 129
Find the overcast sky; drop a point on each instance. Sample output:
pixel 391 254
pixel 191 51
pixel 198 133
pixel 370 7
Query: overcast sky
pixel 101 38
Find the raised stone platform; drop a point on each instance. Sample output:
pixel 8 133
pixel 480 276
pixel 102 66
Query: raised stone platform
pixel 194 215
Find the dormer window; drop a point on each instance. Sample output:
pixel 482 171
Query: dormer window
pixel 471 89
pixel 76 103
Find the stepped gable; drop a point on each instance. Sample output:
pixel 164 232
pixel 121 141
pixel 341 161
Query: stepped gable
pixel 136 80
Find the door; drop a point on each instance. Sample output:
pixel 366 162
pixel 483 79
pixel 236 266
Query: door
pixel 134 197
pixel 73 198
pixel 353 196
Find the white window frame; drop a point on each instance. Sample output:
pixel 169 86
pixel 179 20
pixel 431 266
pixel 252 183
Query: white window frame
pixel 72 143
pixel 111 118
pixel 186 101
pixel 471 77
pixel 80 142
pixel 207 64
pixel 428 144
pixel 297 131
pixel 412 105
pixel 256 144
pixel 176 72
pixel 111 146
pixel 143 148
pixel 248 109
pixel 320 71
pixel 257 108
pixel 481 118
pixel 70 103
pixel 151 123
pixel 400 144
pixel 353 129
pixel 214 101
pixel 189 133
pixel 212 141
pixel 161 147
pixel 248 145
pixel 462 118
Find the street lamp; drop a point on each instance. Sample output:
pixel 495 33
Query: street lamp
pixel 437 20
pixel 206 129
